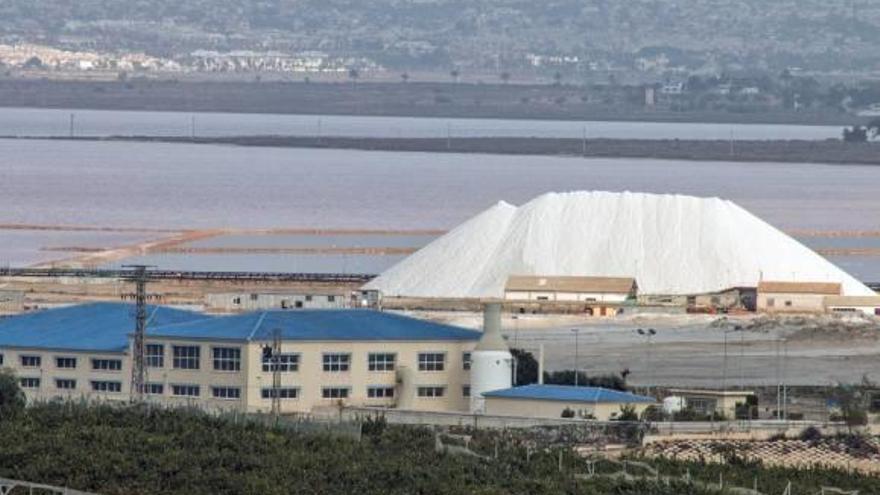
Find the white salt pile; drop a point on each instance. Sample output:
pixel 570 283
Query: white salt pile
pixel 671 244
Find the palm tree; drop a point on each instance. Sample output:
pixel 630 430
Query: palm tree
pixel 404 77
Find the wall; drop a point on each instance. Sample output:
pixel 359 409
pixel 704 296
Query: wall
pixel 799 303
pixel 48 372
pixel 565 296
pixel 553 409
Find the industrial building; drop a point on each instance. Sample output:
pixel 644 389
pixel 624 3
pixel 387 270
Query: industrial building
pixel 795 297
pixel 707 402
pixel 238 302
pixel 615 290
pixel 865 305
pixel 326 357
pixel 549 401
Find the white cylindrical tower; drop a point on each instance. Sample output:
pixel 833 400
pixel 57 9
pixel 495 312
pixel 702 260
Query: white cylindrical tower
pixel 491 361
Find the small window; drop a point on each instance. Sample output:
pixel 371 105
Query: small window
pixel 31 361
pixel 283 393
pixel 254 297
pixel 432 361
pixel 155 356
pixel 465 390
pixel 65 362
pixel 228 393
pixel 227 358
pixel 287 363
pixel 336 363
pixel 65 384
pixel 155 389
pixel 430 392
pixel 185 390
pixel 543 298
pixel 380 392
pixel 466 361
pixel 381 361
pixel 788 304
pixel 236 300
pixel 29 382
pixel 309 298
pixel 106 386
pixel 186 357
pixel 334 392
pixel 1 359
pixel 331 298
pixel 106 364
pixel 771 302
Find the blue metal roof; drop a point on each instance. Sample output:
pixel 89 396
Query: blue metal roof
pixel 85 327
pixel 318 325
pixel 569 394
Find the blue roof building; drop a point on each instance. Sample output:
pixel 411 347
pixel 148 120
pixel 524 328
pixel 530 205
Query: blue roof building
pixel 550 400
pixel 100 327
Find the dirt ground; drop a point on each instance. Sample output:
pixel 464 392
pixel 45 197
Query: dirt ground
pixel 689 350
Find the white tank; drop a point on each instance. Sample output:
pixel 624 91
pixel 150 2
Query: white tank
pixel 491 361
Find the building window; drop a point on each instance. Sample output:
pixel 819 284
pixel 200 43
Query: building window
pixel 106 364
pixel 337 362
pixel 227 358
pixel 427 392
pixel 466 361
pixel 65 362
pixel 465 390
pixel 788 304
pixel 380 392
pixel 236 300
pixel 381 361
pixel 31 361
pixel 155 356
pixel 254 297
pixel 1 359
pixel 331 298
pixel 28 382
pixel 154 389
pixel 308 298
pixel 186 357
pixel 65 384
pixel 771 302
pixel 334 392
pixel 106 386
pixel 185 390
pixel 431 361
pixel 287 363
pixel 230 393
pixel 283 393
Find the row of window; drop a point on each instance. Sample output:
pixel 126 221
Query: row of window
pixel 29 361
pixel 232 393
pixel 229 359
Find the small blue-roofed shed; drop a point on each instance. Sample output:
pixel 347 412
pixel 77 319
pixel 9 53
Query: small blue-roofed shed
pixel 549 401
pixel 96 327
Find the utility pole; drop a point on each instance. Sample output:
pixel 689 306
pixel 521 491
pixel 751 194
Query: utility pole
pixel 276 373
pixel 138 350
pixel 576 370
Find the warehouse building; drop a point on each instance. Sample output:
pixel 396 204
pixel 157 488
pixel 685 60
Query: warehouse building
pixel 795 297
pixel 326 358
pixel 550 401
pixel 238 302
pixel 866 305
pixel 601 296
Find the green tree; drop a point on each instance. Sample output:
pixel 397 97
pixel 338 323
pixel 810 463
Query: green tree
pixel 526 367
pixel 12 399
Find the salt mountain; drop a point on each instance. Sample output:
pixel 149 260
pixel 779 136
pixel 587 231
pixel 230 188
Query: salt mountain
pixel 671 244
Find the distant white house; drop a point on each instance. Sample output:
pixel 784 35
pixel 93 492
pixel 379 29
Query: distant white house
pixel 674 88
pixel 868 305
pixel 570 289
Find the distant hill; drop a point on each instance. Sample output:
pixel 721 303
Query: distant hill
pixel 571 36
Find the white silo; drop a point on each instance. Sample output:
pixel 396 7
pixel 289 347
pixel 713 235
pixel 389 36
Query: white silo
pixel 491 361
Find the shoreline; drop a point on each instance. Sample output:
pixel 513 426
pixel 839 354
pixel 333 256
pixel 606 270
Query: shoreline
pixel 832 152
